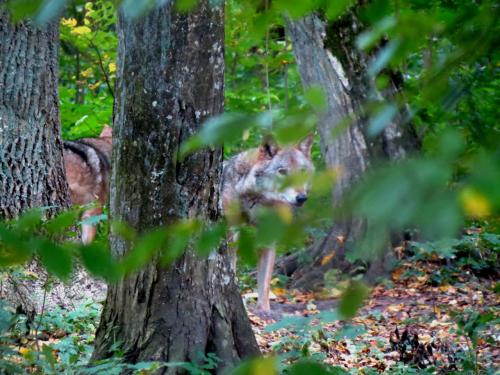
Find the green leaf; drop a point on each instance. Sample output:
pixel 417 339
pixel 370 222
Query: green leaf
pixel 227 127
pixel 383 57
pixel 377 9
pixel 23 8
pixel 185 5
pixel 98 260
pixel 210 238
pixel 147 245
pixel 50 10
pixel 369 38
pixel 14 248
pixel 149 367
pixel 335 8
pixel 380 121
pixel 178 239
pixel 270 227
pixel 258 366
pixel 492 238
pixel 306 367
pixel 123 230
pixel 56 259
pixel 290 322
pixel 247 246
pixel 6 318
pixel 352 299
pixel 316 97
pixel 136 8
pixel 94 220
pixel 29 220
pixel 328 316
pixel 62 221
pixel 349 332
pixel 294 126
pixel 295 9
pixel 49 356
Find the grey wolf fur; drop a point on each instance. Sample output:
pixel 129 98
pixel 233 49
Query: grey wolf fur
pixel 251 179
pixel 87 165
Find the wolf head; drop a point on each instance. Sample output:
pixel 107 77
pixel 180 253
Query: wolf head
pixel 274 165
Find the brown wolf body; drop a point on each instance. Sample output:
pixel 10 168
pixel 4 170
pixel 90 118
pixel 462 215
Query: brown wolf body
pixel 87 164
pixel 252 180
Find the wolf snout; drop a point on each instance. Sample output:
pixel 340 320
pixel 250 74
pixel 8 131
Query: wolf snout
pixel 300 199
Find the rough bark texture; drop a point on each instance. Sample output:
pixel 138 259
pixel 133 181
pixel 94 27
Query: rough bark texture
pixel 169 80
pixel 327 57
pixel 31 167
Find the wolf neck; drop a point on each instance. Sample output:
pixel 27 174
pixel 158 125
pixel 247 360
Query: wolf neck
pixel 235 184
pixel 246 189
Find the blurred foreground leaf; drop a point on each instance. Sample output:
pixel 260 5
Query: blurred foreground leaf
pixel 352 299
pixel 55 258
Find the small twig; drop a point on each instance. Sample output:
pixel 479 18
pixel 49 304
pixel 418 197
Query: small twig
pixel 42 313
pixel 101 65
pixel 17 290
pixel 266 65
pixel 285 75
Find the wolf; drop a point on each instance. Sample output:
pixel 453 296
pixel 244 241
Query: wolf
pixel 87 165
pixel 251 179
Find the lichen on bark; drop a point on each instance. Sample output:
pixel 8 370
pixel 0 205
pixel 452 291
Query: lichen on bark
pixel 170 76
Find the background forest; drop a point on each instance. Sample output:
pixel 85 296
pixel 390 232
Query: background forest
pixel 416 291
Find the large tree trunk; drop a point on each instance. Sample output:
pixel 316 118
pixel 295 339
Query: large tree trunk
pixel 31 164
pixel 327 57
pixel 170 79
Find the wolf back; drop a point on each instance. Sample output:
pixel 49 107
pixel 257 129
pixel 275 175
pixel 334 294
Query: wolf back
pixel 87 165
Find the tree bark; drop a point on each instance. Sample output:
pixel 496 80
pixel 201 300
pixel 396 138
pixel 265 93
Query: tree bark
pixel 31 165
pixel 170 78
pixel 31 154
pixel 327 57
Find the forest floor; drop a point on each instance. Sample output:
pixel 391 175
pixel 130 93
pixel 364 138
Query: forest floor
pixel 404 322
pixel 431 314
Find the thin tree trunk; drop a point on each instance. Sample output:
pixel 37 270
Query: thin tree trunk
pixel 31 165
pixel 327 57
pixel 169 80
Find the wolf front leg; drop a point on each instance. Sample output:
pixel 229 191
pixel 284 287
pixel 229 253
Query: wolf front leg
pixel 264 276
pixel 231 248
pixel 88 230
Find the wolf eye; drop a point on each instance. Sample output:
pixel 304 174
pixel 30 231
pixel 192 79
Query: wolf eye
pixel 283 171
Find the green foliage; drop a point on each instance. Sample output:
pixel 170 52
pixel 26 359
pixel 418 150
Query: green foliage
pixel 353 299
pixel 447 53
pixel 473 254
pixel 456 176
pixel 28 236
pixel 63 342
pixel 313 368
pixel 21 350
pixel 470 324
pixel 87 68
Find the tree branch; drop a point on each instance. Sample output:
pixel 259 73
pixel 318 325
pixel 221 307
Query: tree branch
pixel 101 65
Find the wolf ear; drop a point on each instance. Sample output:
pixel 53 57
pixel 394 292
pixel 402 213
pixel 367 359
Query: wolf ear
pixel 306 144
pixel 269 147
pixel 107 131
